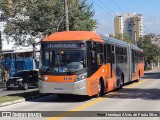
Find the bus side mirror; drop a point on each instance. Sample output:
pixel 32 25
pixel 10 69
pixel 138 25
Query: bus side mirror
pixel 92 46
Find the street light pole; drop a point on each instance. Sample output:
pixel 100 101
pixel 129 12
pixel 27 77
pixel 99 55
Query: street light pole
pixel 66 14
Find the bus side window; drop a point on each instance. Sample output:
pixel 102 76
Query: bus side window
pixel 93 57
pixel 113 59
pixel 108 53
pixel 99 59
pixel 105 54
pixel 99 50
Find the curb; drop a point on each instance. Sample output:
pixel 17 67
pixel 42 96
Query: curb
pixel 13 102
pixel 2 89
pixel 22 100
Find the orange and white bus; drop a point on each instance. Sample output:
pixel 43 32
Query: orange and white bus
pixel 85 63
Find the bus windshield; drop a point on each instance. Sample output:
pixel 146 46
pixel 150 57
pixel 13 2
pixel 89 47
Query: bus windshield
pixel 63 61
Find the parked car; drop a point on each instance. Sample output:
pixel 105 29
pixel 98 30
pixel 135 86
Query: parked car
pixel 23 79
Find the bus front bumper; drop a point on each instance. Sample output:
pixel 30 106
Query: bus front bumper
pixel 76 88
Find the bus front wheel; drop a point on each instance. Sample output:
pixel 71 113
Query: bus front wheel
pixel 100 88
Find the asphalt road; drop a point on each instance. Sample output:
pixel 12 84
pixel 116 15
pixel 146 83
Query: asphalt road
pixel 15 91
pixel 138 96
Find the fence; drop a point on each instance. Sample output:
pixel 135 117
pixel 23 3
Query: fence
pixel 14 65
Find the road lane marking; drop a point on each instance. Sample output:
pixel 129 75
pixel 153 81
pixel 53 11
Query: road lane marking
pixel 135 84
pixel 77 109
pixel 67 113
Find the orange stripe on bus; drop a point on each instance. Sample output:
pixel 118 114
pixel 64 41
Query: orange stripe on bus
pixel 60 79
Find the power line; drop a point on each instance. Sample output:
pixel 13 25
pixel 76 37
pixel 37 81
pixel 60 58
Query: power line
pixel 117 6
pixel 107 7
pixel 146 28
pixel 103 9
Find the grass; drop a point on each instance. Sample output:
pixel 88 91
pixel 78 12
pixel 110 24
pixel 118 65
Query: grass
pixel 13 97
pixel 147 68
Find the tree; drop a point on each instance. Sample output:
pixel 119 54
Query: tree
pixel 81 15
pixel 45 17
pixel 119 36
pixel 150 50
pixel 123 37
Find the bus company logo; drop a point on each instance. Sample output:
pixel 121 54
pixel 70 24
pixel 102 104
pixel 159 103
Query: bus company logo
pixel 6 114
pixel 67 78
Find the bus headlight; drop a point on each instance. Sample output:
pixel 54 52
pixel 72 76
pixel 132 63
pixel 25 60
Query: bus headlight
pixel 81 77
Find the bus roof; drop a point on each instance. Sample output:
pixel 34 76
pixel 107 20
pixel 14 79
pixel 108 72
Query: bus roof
pixel 73 35
pixel 114 41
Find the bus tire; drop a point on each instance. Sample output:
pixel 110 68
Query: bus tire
pixel 25 86
pixel 121 82
pixel 138 77
pixel 100 88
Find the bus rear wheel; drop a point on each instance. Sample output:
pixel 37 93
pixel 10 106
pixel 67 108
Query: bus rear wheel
pixel 121 81
pixel 138 77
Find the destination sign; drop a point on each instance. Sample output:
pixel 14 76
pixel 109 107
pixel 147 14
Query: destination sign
pixel 63 45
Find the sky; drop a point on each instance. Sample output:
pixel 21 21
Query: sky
pixel 105 10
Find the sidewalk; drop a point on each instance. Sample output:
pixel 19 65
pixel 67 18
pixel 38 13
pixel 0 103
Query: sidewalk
pixel 2 86
pixel 152 70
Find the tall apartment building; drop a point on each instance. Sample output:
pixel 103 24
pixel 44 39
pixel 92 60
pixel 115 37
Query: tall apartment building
pixel 130 24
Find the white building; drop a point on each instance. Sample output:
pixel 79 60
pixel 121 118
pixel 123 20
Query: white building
pixel 130 24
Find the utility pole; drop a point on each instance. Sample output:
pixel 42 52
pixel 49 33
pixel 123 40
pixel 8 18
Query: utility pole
pixel 0 56
pixel 134 33
pixel 34 53
pixel 135 38
pixel 66 14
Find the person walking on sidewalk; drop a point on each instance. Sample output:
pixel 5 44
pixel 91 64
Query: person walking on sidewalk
pixel 5 75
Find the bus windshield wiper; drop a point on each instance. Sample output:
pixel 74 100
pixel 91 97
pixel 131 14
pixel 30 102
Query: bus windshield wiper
pixel 47 70
pixel 69 71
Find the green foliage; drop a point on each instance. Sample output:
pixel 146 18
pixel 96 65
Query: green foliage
pixel 124 37
pixel 150 50
pixel 147 68
pixel 119 36
pixel 81 16
pixel 45 17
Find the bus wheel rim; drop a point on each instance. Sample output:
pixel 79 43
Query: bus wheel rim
pixel 99 87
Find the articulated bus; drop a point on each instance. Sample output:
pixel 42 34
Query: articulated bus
pixel 85 63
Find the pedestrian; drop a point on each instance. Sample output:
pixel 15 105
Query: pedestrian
pixel 5 74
